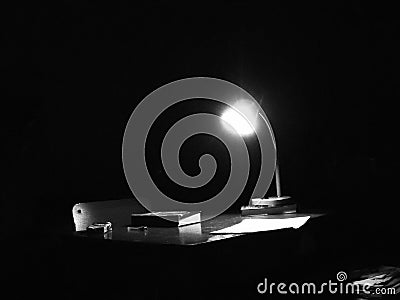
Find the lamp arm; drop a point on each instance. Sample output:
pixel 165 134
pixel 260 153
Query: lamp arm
pixel 277 178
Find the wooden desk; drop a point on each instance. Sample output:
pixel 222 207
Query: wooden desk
pixel 184 259
pixel 194 234
pixel 191 261
pixel 118 212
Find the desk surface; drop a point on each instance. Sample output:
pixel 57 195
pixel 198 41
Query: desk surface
pixel 185 235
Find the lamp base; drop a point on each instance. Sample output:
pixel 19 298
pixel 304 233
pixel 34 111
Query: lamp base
pixel 270 206
pixel 265 210
pixel 272 201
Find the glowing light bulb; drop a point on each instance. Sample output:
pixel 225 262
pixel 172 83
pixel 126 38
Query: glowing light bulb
pixel 242 117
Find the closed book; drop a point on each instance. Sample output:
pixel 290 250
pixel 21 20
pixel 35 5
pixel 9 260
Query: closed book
pixel 268 210
pixel 165 218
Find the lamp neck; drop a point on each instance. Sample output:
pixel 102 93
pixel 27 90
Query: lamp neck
pixel 277 177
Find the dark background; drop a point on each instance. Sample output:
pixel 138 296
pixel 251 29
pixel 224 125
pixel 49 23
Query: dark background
pixel 326 75
pixel 73 72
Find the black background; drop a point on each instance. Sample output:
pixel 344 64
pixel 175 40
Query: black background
pixel 326 75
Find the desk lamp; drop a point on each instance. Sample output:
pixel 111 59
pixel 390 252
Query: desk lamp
pixel 241 117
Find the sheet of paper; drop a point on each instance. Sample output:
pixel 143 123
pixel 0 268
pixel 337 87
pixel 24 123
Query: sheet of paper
pixel 256 225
